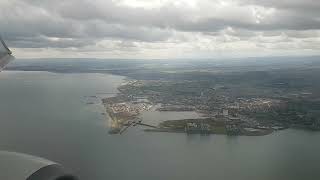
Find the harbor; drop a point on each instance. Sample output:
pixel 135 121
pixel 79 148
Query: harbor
pixel 126 107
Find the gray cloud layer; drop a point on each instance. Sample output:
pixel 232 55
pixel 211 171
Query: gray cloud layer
pixel 199 26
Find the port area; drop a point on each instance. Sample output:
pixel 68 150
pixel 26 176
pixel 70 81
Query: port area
pixel 219 116
pixel 122 109
pixel 206 126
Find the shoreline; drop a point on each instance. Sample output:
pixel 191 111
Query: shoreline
pixel 125 107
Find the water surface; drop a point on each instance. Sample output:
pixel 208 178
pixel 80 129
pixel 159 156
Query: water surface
pixel 46 114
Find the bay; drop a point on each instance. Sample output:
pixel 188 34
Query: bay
pixel 46 114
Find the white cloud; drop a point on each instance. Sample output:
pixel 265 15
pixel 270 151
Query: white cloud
pixel 160 28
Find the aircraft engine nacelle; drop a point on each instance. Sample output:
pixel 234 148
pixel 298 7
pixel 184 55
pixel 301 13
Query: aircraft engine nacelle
pixel 17 166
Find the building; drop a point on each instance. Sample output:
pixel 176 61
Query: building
pixel 225 112
pixel 197 128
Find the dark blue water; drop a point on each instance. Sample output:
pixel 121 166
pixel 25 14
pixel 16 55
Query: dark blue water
pixel 46 114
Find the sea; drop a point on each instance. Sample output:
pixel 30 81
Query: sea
pixel 48 115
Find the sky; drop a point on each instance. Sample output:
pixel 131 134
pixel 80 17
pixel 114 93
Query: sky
pixel 160 29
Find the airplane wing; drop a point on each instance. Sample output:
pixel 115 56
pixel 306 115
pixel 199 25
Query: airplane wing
pixel 5 54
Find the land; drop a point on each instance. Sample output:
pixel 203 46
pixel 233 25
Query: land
pixel 233 102
pixel 221 114
pixel 254 96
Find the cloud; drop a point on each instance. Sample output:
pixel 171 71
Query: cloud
pixel 155 27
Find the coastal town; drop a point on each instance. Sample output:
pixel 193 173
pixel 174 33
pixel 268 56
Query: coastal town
pixel 220 113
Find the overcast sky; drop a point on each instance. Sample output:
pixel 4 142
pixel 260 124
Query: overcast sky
pixel 155 29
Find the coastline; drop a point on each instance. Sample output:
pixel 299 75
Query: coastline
pixel 124 109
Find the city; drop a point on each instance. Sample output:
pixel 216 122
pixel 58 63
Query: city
pixel 223 109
